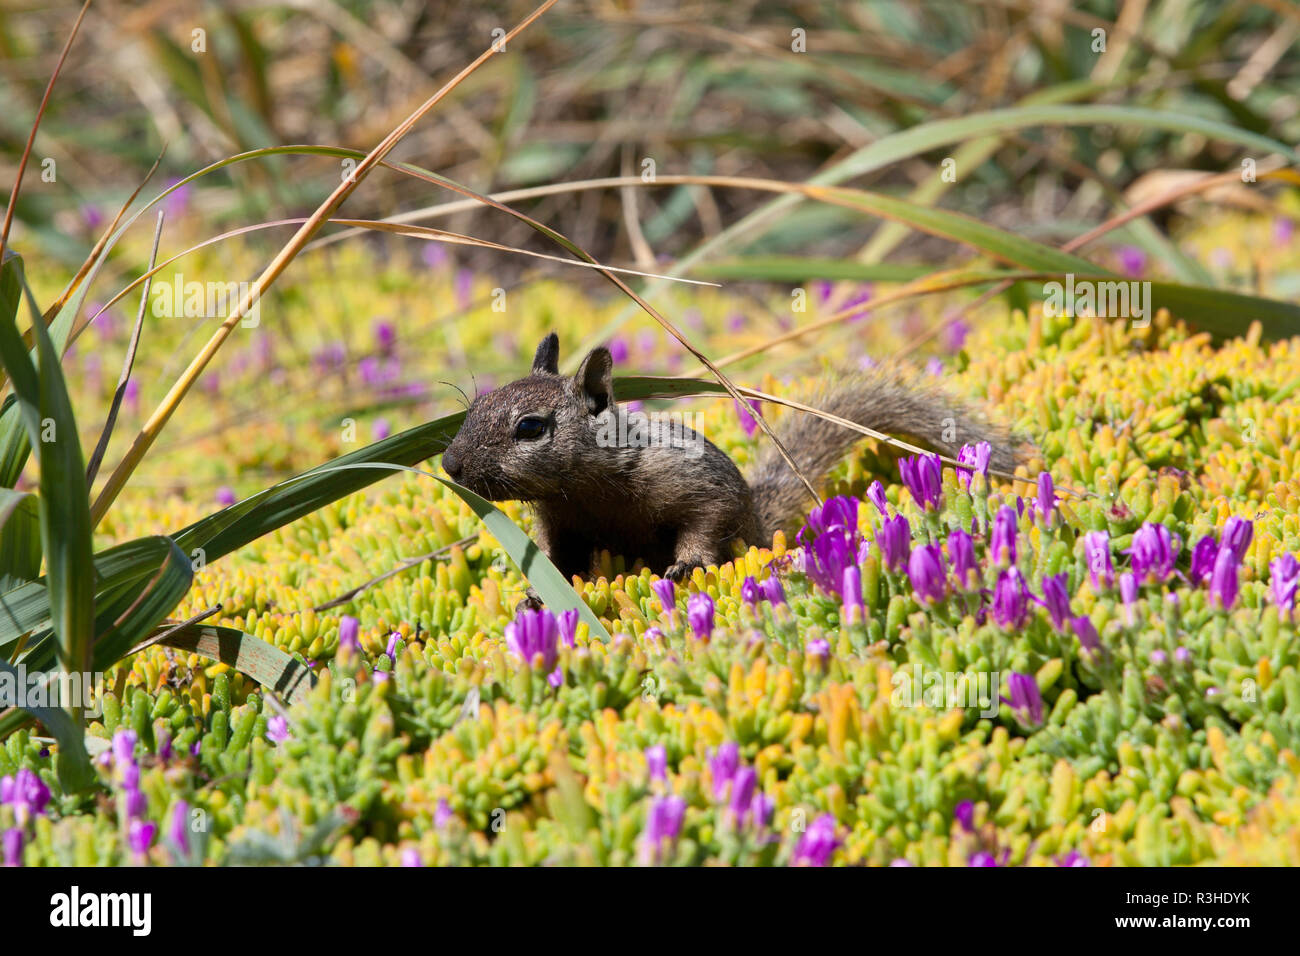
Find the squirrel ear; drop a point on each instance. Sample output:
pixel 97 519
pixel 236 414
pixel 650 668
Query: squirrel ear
pixel 595 380
pixel 547 358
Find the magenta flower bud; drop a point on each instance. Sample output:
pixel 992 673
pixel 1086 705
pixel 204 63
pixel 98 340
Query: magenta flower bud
pixel 463 286
pixel 749 591
pixel 926 572
pixel 13 846
pixel 851 593
pixel 1159 658
pixel 964 814
pixel 1072 859
pixel 1010 599
pixel 381 429
pixel 1223 579
pixel 385 334
pixel 977 456
pixel 699 613
pixel 662 826
pixel 761 809
pixel 723 765
pixel 1026 702
pixel 1182 656
pixel 742 791
pixel 982 858
pixel 772 590
pixel 1284 576
pixel 556 677
pixel 1056 598
pixel 876 495
pixel 894 538
pixel 434 255
pixel 1132 261
pixel 656 759
pixel 349 632
pixel 1086 633
pixel 1283 230
pixel 1002 542
pixel 1128 592
pixel 1237 534
pixel 836 514
pixel 961 554
pixel 568 623
pixel 1045 504
pixel 443 814
pixel 818 844
pixel 1153 552
pixel 411 857
pixel 1203 556
pixel 277 729
pixel 923 476
pixel 140 835
pixel 820 648
pixel 178 829
pixel 666 592
pixel 391 649
pixel 1096 547
pixel 748 423
pixel 534 633
pixel 135 804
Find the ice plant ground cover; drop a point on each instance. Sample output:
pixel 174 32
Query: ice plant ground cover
pixel 1100 667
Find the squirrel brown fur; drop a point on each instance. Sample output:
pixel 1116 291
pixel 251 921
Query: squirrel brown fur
pixel 603 478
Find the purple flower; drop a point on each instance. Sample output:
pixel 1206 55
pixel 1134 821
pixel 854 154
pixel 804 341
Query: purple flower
pixel 26 793
pixel 1025 702
pixel 568 624
pixel 955 334
pixel 982 859
pixel 923 476
pixel 876 494
pixel 1002 542
pixel 556 677
pixel 926 572
pixel 443 814
pixel 820 648
pixel 1073 858
pixel 818 844
pixel 743 784
pixel 411 856
pixel 1284 575
pixel 747 421
pixel 749 591
pixel 723 765
pixel 1203 556
pixel 772 591
pixel 391 649
pixel 349 631
pixel 1283 230
pixel 851 594
pixel 964 814
pixel 178 830
pixel 124 742
pixel 434 255
pixel 618 350
pixel 1128 592
pixel 135 803
pixel 534 632
pixel 1153 552
pixel 277 729
pixel 385 335
pixel 1237 533
pixel 1086 633
pixel 761 809
pixel 381 429
pixel 139 836
pixel 1159 658
pixel 1045 503
pixel 827 559
pixel 699 613
pixel 226 496
pixel 838 514
pixel 663 825
pixel 1010 599
pixel 1223 579
pixel 666 592
pixel 13 846
pixel 977 457
pixel 1182 656
pixel 1096 547
pixel 656 760
pixel 463 285
pixel 961 554
pixel 177 201
pixel 1132 261
pixel 894 538
pixel 1056 598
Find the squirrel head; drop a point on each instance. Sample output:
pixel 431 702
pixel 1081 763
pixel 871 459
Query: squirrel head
pixel 529 439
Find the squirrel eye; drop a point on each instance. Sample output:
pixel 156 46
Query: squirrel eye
pixel 530 428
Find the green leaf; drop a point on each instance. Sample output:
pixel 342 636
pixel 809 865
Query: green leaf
pixel 20 538
pixel 265 663
pixel 797 269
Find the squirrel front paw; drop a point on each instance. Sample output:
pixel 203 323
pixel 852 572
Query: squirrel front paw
pixel 680 571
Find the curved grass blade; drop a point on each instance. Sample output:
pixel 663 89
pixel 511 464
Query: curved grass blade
pixel 265 663
pixel 72 763
pixel 20 538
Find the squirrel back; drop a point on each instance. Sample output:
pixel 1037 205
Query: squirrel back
pixel 881 399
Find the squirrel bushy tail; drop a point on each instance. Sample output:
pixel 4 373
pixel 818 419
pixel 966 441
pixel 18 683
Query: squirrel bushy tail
pixel 883 400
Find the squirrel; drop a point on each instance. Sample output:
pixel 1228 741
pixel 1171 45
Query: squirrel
pixel 600 477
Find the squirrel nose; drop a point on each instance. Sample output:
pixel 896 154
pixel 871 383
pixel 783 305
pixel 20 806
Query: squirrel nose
pixel 451 464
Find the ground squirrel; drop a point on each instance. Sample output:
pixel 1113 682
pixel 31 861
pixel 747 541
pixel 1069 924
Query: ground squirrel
pixel 601 477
